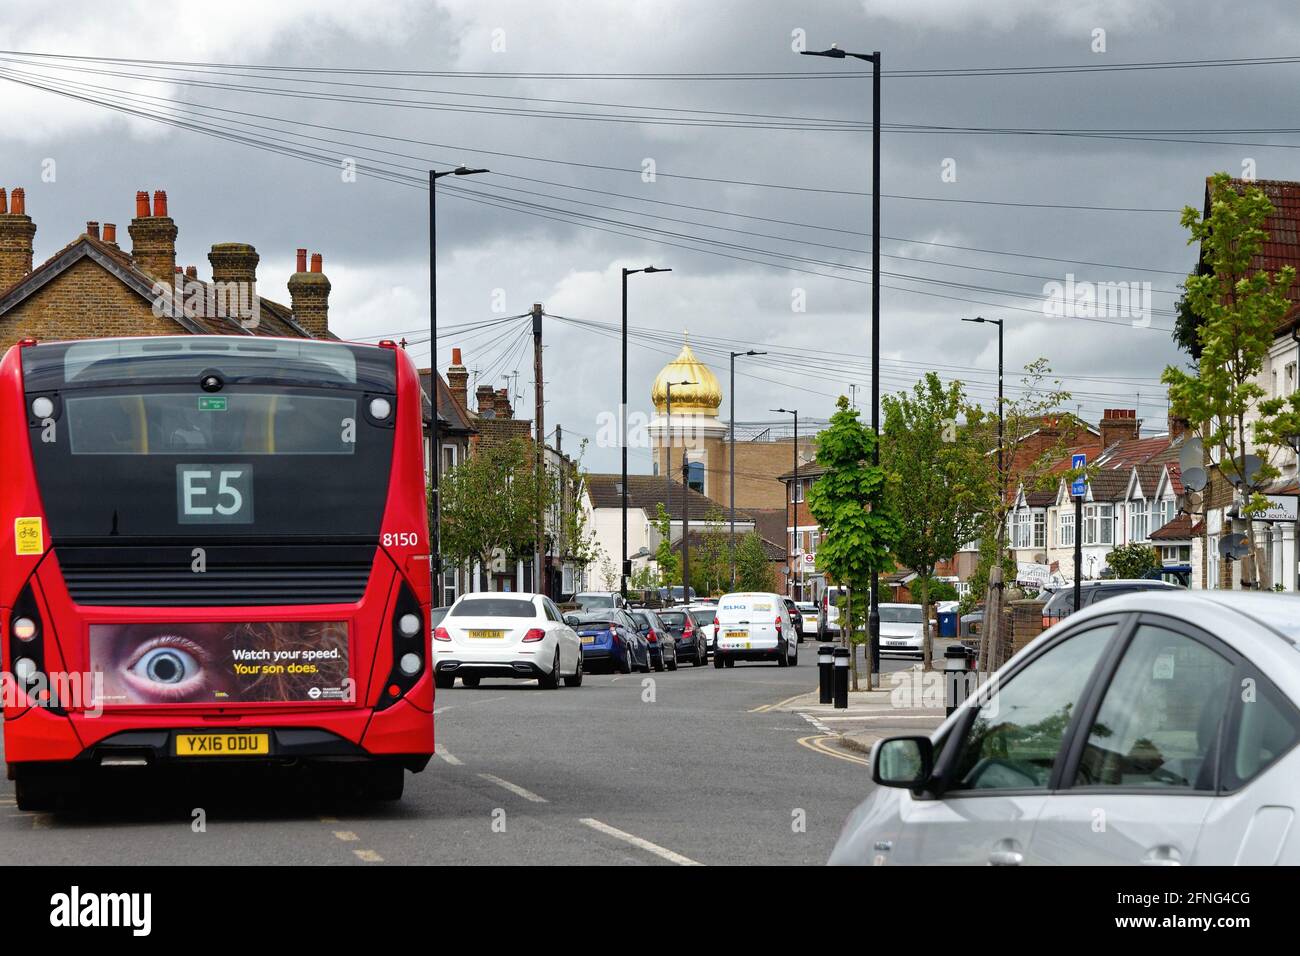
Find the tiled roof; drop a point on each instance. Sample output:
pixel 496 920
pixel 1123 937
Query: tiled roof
pixel 1175 477
pixel 772 523
pixel 1148 478
pixel 451 414
pixel 1180 529
pixel 773 551
pixel 1109 485
pixel 1040 499
pixel 646 492
pixel 274 318
pixel 1133 451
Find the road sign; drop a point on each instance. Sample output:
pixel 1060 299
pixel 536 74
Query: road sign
pixel 1078 487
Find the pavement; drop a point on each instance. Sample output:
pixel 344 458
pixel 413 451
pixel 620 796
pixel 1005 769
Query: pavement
pixel 708 766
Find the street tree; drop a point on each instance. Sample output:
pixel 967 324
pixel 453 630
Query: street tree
pixel 753 570
pixel 859 527
pixel 710 559
pixel 489 505
pixel 665 554
pixel 1132 560
pixel 940 481
pixel 1239 308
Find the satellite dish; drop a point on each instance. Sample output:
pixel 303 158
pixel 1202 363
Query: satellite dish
pixel 1194 479
pixel 1250 468
pixel 1233 546
pixel 1192 455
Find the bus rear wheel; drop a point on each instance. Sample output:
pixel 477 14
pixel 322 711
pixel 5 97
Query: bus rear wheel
pixel 35 791
pixel 383 781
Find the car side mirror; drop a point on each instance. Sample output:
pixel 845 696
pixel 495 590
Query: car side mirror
pixel 906 762
pixel 571 620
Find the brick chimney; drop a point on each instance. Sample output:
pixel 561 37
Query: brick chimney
pixel 153 236
pixel 92 229
pixel 234 262
pixel 1118 424
pixel 16 233
pixel 486 399
pixel 501 404
pixel 458 379
pixel 1178 426
pixel 110 233
pixel 309 294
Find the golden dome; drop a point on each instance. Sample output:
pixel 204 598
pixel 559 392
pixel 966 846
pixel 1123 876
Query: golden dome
pixel 702 395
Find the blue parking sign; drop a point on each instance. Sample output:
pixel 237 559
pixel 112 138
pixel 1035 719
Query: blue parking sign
pixel 1078 487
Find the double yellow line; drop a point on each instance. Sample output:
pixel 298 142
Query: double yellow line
pixel 817 743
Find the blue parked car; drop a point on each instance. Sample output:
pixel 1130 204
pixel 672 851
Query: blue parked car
pixel 610 641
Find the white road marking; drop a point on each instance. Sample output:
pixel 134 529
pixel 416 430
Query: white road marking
pixel 815 722
pixel 466 703
pixel 446 755
pixel 368 856
pixel 636 841
pixel 889 717
pixel 347 836
pixel 513 788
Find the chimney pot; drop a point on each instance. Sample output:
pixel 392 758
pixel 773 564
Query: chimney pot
pixel 485 395
pixel 316 262
pixel 4 201
pixel 110 232
pixel 455 356
pixel 18 205
pixel 309 295
pixel 191 272
pixel 16 234
pixel 301 263
pixel 141 204
pixel 160 203
pixel 458 379
pixel 92 229
pixel 153 237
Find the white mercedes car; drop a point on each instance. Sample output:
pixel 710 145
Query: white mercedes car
pixel 503 634
pixel 1157 728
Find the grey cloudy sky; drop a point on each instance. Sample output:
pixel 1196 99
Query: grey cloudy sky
pixel 372 232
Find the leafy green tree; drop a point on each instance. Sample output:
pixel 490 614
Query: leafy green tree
pixel 849 501
pixel 489 505
pixel 665 555
pixel 941 482
pixel 754 571
pixel 1240 308
pixel 1133 560
pixel 710 559
pixel 939 590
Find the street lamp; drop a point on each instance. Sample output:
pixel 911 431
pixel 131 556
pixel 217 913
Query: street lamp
pixel 733 459
pixel 794 503
pixel 626 567
pixel 835 53
pixel 435 458
pixel 998 323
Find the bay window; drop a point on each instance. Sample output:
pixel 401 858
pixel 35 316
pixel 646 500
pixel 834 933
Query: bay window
pixel 1065 530
pixel 1099 524
pixel 1138 521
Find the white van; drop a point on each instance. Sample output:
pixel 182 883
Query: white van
pixel 754 626
pixel 828 612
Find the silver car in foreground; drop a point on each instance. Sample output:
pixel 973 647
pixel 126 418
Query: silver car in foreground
pixel 1157 728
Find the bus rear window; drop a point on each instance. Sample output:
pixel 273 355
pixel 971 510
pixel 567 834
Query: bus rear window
pixel 190 424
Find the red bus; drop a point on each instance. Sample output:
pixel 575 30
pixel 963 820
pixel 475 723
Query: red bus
pixel 213 550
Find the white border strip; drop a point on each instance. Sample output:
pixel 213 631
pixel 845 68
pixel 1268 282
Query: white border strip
pixel 636 841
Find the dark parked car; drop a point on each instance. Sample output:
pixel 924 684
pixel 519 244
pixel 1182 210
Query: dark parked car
pixel 1061 604
pixel 687 628
pixel 663 646
pixel 610 641
pixel 796 617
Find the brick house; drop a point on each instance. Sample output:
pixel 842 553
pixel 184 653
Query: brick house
pixel 93 287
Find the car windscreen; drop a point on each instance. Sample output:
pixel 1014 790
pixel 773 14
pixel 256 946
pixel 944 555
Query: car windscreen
pixel 494 607
pixel 900 615
pixel 594 600
pixel 704 617
pixel 673 620
pixel 583 618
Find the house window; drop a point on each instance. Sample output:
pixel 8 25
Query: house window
pixel 1040 529
pixel 1024 527
pixel 1099 524
pixel 798 490
pixel 1137 520
pixel 1065 532
pixel 695 476
pixel 1290 377
pixel 813 538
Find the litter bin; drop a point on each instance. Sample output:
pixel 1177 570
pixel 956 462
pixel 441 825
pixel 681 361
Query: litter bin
pixel 947 623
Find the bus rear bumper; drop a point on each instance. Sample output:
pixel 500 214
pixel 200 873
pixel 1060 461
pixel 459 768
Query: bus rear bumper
pixel 401 733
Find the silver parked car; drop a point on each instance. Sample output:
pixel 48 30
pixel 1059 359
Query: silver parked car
pixel 1157 728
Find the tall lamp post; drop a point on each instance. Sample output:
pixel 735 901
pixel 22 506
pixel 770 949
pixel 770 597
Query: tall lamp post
pixel 625 568
pixel 835 53
pixel 794 501
pixel 998 323
pixel 1294 442
pixel 435 459
pixel 733 459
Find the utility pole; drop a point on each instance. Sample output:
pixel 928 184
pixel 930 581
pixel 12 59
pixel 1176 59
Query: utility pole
pixel 686 527
pixel 540 583
pixel 732 457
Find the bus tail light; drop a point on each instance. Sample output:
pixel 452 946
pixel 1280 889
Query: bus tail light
pixel 409 649
pixel 27 653
pixel 534 635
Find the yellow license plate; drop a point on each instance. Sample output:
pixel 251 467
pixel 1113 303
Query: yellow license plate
pixel 738 634
pixel 588 639
pixel 222 745
pixel 487 635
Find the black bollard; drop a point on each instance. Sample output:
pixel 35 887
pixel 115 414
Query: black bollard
pixel 956 668
pixel 825 673
pixel 841 668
